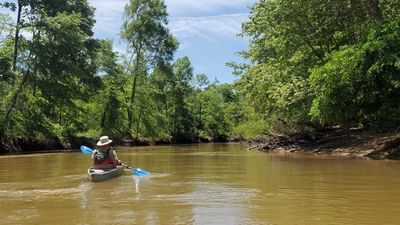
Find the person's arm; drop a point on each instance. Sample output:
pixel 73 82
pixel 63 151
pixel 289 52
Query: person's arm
pixel 115 159
pixel 93 153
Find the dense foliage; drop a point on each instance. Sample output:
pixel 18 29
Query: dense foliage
pixel 317 63
pixel 361 82
pixel 53 68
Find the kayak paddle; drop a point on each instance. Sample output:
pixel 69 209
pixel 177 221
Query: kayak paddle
pixel 137 171
pixel 86 150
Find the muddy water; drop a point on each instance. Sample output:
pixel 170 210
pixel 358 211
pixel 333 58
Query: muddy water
pixel 200 184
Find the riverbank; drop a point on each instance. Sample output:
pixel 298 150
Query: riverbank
pixel 337 141
pixel 26 145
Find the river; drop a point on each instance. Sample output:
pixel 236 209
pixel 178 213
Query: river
pixel 200 184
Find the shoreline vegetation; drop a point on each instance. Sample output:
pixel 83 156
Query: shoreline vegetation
pixel 341 142
pixel 309 65
pixel 26 145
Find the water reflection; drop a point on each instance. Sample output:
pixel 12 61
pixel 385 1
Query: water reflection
pixel 85 187
pixel 213 203
pixel 137 184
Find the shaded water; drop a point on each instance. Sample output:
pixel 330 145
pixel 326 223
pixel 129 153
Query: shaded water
pixel 200 184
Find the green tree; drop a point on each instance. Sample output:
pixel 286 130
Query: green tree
pixel 198 100
pixel 6 74
pixel 161 95
pixel 290 38
pixel 182 129
pixel 360 83
pixel 55 66
pixel 145 30
pixel 112 98
pixel 217 122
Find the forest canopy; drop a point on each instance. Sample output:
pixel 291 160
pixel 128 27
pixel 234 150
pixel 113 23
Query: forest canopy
pixel 319 63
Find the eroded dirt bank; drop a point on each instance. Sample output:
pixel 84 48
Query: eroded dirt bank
pixel 344 142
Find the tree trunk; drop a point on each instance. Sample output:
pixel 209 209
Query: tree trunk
pixel 138 123
pixel 15 96
pixel 16 39
pixel 133 92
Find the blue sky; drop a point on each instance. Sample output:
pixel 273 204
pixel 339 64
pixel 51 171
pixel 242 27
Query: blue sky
pixel 206 29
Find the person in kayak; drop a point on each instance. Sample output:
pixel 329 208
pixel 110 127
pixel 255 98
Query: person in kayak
pixel 103 156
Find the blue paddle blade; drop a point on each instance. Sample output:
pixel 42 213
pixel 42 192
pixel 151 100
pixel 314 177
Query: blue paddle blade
pixel 86 150
pixel 139 172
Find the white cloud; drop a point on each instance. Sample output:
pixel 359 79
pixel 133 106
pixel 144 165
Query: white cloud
pixel 178 7
pixel 109 15
pixel 187 7
pixel 205 19
pixel 193 22
pixel 115 6
pixel 210 27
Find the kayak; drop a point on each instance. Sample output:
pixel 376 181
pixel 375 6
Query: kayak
pixel 104 174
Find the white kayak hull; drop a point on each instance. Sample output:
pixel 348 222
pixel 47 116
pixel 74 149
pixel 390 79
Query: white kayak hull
pixel 104 174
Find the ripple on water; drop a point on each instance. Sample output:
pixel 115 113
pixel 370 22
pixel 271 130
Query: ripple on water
pixel 39 193
pixel 216 203
pixel 221 194
pixel 35 191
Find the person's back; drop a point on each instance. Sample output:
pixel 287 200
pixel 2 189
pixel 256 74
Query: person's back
pixel 103 156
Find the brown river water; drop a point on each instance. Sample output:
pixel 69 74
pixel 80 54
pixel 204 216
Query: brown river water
pixel 200 184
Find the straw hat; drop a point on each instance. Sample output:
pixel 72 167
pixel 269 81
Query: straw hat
pixel 104 140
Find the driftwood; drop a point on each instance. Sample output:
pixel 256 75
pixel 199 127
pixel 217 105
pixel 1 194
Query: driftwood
pixel 354 142
pixel 389 149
